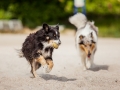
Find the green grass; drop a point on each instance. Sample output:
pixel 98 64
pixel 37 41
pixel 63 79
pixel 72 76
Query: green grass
pixel 109 26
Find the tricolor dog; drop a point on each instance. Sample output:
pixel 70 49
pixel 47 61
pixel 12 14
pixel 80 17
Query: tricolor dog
pixel 38 48
pixel 86 39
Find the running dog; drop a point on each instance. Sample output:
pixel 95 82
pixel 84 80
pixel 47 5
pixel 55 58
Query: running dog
pixel 38 48
pixel 85 39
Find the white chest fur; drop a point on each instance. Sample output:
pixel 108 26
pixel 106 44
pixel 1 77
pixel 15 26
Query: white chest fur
pixel 45 54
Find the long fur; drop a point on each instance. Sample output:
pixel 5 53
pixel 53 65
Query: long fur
pixel 20 53
pixel 85 39
pixel 38 47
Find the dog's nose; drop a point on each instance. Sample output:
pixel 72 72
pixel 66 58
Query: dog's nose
pixel 89 54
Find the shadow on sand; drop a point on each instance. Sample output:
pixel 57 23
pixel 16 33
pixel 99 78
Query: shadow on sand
pixel 99 67
pixel 54 77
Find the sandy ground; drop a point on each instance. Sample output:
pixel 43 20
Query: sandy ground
pixel 67 73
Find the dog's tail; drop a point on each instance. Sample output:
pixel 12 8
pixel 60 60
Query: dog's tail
pixel 79 20
pixel 20 53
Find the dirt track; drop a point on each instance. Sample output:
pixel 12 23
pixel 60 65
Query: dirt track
pixel 67 73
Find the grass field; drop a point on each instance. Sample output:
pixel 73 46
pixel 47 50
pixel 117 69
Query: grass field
pixel 109 26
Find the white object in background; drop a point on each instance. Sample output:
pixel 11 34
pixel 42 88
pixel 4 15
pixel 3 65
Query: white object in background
pixel 79 3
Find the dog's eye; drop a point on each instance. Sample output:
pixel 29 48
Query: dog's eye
pixel 90 45
pixel 54 35
pixel 93 41
pixel 81 42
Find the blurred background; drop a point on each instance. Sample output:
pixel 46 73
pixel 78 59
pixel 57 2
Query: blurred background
pixel 33 13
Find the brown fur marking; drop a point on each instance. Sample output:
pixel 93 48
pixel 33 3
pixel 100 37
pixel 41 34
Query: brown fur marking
pixel 33 69
pixel 93 46
pixel 37 65
pixel 41 60
pixel 87 48
pixel 81 37
pixel 50 64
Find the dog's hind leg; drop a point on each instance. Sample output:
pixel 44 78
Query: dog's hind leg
pixel 37 65
pixel 50 65
pixel 33 68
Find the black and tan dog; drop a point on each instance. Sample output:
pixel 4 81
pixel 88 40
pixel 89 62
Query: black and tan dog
pixel 38 48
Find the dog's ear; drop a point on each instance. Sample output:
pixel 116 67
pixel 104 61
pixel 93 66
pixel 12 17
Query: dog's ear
pixel 57 26
pixel 81 37
pixel 46 27
pixel 91 35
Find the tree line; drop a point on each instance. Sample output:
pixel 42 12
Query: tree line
pixel 36 12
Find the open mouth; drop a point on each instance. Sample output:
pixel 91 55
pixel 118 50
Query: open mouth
pixel 89 55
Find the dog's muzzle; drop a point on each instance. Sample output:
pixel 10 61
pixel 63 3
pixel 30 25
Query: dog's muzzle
pixel 56 44
pixel 89 54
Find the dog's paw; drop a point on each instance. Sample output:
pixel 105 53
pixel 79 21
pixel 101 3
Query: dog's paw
pixel 84 68
pixel 48 70
pixel 44 67
pixel 36 76
pixel 89 65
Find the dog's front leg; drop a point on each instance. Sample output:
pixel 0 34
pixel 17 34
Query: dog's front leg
pixel 90 61
pixel 83 62
pixel 50 65
pixel 46 64
pixel 42 61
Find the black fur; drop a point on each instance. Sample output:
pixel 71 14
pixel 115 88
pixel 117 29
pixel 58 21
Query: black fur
pixel 35 42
